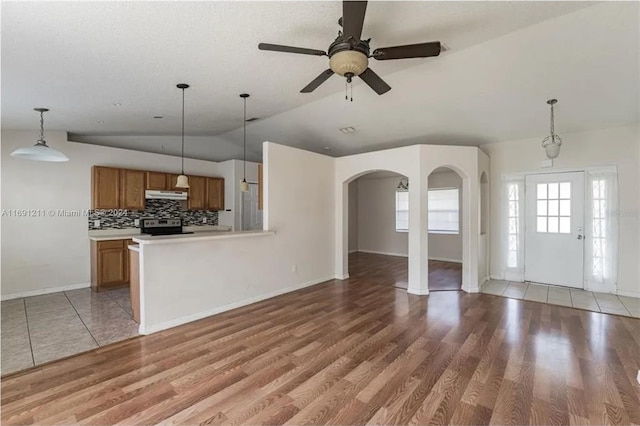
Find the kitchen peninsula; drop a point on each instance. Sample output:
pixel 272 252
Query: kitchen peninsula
pixel 186 277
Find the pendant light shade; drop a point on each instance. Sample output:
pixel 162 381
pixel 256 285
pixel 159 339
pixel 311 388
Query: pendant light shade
pixel 244 185
pixel 40 151
pixel 183 180
pixel 552 143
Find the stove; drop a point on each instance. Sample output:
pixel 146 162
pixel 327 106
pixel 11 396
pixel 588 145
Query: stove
pixel 155 227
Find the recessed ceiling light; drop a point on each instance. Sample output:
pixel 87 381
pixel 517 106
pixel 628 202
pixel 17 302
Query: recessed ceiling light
pixel 101 122
pixel 326 148
pixel 117 104
pixel 346 130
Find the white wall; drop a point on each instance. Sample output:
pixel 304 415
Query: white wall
pixel 52 251
pixel 376 218
pixel 416 163
pixel 614 146
pixel 353 216
pixel 181 282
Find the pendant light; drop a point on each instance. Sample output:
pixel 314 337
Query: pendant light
pixel 552 143
pixel 244 185
pixel 183 180
pixel 40 151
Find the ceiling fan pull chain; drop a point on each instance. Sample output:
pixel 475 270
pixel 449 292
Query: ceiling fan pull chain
pixel 346 93
pixel 352 91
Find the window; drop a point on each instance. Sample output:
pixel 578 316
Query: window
pixel 554 208
pixel 599 232
pixel 402 211
pixel 514 225
pixel 444 211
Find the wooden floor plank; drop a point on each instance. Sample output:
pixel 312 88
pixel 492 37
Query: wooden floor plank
pixel 358 351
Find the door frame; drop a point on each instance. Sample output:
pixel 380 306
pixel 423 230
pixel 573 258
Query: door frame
pixel 511 274
pixel 525 218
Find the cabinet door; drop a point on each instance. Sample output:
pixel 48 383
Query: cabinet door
pixel 171 181
pixel 105 192
pixel 132 189
pixel 197 193
pixel 157 181
pixel 215 194
pixel 112 263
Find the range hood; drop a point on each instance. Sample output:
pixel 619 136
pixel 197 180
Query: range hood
pixel 165 195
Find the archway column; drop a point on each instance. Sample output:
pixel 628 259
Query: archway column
pixel 342 231
pixel 418 234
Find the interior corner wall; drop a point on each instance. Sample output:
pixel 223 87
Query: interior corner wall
pixel 619 146
pixel 43 253
pixel 376 218
pixel 300 201
pixel 353 216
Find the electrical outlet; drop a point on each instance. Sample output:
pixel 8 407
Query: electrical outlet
pixel 204 220
pixel 96 223
pixel 294 268
pixel 136 222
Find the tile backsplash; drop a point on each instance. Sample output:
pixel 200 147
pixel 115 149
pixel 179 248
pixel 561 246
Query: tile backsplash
pixel 164 209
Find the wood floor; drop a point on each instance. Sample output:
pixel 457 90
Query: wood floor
pixel 352 352
pixel 393 270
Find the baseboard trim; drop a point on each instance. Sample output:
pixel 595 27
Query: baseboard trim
pixel 353 251
pixel 629 294
pixel 445 259
pixel 44 291
pixel 219 309
pixel 385 253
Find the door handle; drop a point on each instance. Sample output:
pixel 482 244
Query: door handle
pixel 580 237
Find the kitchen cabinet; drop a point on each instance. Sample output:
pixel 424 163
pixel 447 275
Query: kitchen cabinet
pixel 105 188
pixel 215 193
pixel 132 184
pixel 260 187
pixel 109 264
pixel 197 193
pixel 157 181
pixel 172 179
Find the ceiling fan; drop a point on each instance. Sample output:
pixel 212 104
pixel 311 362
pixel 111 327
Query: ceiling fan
pixel 349 55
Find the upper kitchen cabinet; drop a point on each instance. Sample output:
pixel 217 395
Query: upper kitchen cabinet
pixel 132 184
pixel 215 193
pixel 157 181
pixel 197 193
pixel 171 180
pixel 105 188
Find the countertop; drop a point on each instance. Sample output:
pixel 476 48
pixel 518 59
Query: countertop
pixel 198 236
pixel 125 234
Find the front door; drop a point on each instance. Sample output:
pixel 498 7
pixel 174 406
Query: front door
pixel 554 237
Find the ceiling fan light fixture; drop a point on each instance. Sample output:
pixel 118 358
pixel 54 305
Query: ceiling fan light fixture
pixel 350 62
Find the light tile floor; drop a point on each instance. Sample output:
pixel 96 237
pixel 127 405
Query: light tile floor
pixel 564 296
pixel 44 328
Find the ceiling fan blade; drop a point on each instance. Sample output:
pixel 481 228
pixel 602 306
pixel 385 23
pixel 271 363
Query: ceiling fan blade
pixel 290 49
pixel 374 81
pixel 421 50
pixel 317 81
pixel 353 18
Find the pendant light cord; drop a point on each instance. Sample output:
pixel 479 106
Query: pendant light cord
pixel 41 125
pixel 552 126
pixel 183 131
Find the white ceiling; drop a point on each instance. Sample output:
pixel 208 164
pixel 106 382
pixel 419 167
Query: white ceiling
pixel 504 60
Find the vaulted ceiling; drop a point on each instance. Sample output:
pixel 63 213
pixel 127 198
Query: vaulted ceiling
pixel 105 69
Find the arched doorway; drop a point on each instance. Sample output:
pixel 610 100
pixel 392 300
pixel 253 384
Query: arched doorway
pixel 445 231
pixel 378 225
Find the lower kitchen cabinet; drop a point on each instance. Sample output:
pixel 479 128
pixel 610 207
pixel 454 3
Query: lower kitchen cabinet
pixel 109 264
